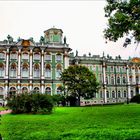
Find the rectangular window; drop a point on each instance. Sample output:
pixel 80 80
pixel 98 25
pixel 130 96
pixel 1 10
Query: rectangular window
pixel 48 57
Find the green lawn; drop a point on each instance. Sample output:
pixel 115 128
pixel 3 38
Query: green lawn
pixel 116 122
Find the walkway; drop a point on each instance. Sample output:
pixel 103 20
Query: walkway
pixel 5 112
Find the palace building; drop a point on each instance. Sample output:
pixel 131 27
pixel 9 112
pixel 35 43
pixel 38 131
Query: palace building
pixel 27 66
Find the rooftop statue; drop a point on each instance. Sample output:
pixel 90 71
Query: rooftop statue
pixel 10 39
pixel 65 40
pixel 41 40
pixel 76 53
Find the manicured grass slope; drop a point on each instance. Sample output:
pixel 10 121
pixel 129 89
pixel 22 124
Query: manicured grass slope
pixel 81 123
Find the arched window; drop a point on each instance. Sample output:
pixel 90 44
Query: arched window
pixel 48 71
pixel 13 55
pixel 13 69
pixel 112 80
pixel 137 79
pixel 2 70
pixel 24 90
pixel 58 70
pixel 25 70
pixel 107 94
pixel 119 94
pixel 36 90
pixel 130 78
pixel 48 90
pixel 48 57
pixel 59 90
pixel 58 57
pixel 118 80
pixel 124 92
pixel 36 56
pixel 124 80
pixel 2 55
pixel 106 80
pixel 1 90
pixel 36 70
pixel 12 91
pixel 25 55
pixel 132 93
pixel 113 94
pixel 101 94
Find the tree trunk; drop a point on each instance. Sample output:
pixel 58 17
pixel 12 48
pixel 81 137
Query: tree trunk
pixel 78 101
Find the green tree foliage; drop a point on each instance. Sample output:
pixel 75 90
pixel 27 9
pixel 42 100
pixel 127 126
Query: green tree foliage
pixel 31 103
pixel 123 19
pixel 135 99
pixel 79 82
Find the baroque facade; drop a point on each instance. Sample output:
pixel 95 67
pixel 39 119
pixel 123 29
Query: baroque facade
pixel 30 67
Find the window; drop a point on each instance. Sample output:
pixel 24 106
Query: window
pixel 36 56
pixel 59 91
pixel 2 70
pixel 106 80
pixel 132 94
pixel 13 70
pixel 13 55
pixel 112 69
pixel 101 94
pixel 58 70
pixel 137 79
pixel 119 94
pixel 48 90
pixel 130 78
pixel 112 80
pixel 48 71
pixel 25 55
pixel 58 57
pixel 36 70
pixel 25 70
pixel 24 90
pixel 124 80
pixel 118 80
pixel 2 55
pixel 12 91
pixel 1 90
pixel 124 93
pixel 113 94
pixel 107 94
pixel 48 57
pixel 36 90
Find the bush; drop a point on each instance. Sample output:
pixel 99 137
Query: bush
pixel 135 99
pixel 31 103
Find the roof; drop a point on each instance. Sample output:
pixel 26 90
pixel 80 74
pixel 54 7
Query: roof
pixel 53 29
pixel 135 60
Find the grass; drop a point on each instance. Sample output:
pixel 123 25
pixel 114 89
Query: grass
pixel 119 122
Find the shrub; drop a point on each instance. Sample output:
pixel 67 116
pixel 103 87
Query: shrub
pixel 31 103
pixel 135 99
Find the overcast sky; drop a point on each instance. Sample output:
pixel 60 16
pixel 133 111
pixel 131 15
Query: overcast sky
pixel 82 22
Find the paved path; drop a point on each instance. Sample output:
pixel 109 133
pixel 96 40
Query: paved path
pixel 5 112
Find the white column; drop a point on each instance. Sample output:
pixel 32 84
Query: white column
pixel 42 64
pixel 7 63
pixel 66 60
pixel 128 82
pixel 133 75
pixel 19 63
pixel 19 87
pixel 31 88
pixel 104 82
pixel 42 87
pixel 31 63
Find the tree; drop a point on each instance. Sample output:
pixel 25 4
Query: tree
pixel 80 82
pixel 123 19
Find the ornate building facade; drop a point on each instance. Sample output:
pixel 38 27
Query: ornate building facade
pixel 30 67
